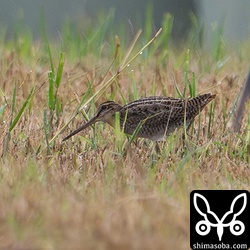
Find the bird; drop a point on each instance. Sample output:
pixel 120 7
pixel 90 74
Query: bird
pixel 153 117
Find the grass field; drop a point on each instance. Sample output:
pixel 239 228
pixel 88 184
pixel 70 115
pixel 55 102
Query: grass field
pixel 85 193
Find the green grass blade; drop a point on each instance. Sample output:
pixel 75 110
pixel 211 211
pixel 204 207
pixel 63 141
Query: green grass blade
pixel 21 110
pixel 51 97
pixel 97 38
pixel 192 86
pixel 148 21
pixel 164 40
pixel 186 71
pixel 60 69
pixel 119 135
pixel 50 60
pixel 167 25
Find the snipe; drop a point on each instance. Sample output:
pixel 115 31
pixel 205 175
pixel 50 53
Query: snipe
pixel 153 117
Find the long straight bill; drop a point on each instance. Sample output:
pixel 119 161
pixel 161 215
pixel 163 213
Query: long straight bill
pixel 89 123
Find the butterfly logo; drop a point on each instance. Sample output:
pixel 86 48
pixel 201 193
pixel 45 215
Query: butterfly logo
pixel 203 227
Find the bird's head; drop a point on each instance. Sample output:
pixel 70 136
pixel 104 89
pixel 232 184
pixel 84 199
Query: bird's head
pixel 105 112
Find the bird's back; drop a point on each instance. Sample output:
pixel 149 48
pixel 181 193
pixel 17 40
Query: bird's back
pixel 157 117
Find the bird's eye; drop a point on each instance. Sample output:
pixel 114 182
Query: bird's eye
pixel 103 108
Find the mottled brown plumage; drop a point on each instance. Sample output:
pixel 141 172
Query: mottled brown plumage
pixel 155 117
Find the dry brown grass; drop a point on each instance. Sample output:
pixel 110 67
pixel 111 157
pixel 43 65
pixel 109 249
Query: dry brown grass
pixel 85 194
